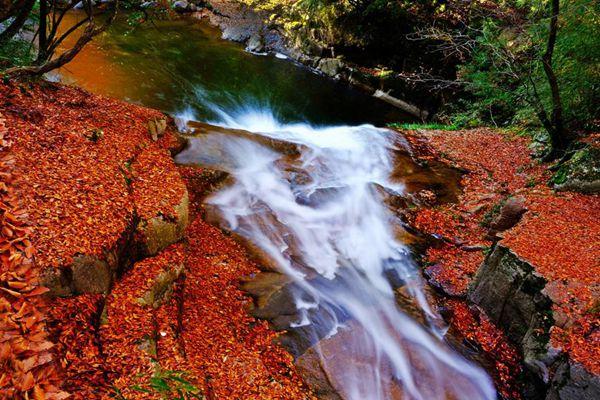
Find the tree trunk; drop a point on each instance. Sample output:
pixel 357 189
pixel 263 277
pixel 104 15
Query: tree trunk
pixel 10 8
pixel 89 33
pixel 17 23
pixel 43 33
pixel 557 133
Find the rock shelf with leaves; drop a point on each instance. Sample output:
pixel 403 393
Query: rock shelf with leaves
pixel 109 218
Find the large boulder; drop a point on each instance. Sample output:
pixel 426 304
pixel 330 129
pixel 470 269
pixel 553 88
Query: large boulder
pixel 521 301
pixel 158 232
pixel 513 296
pixel 581 173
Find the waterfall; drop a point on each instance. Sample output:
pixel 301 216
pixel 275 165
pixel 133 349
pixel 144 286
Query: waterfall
pixel 320 216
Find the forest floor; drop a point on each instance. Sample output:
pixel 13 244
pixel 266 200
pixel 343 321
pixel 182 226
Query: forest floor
pixel 80 172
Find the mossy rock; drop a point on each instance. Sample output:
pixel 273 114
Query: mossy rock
pixel 159 232
pixel 581 173
pixel 162 288
pixel 330 66
pixel 86 274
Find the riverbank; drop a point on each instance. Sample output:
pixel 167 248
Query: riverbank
pixel 147 301
pixel 525 254
pixel 240 23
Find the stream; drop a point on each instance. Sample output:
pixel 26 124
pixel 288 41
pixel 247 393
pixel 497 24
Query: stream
pixel 311 175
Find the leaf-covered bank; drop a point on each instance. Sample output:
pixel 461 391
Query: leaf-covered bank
pixel 145 308
pixel 524 253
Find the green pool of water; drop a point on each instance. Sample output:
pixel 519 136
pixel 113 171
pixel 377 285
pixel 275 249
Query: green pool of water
pixel 184 65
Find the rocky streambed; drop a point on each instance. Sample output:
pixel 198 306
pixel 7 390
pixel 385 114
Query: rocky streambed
pixel 471 247
pixel 539 288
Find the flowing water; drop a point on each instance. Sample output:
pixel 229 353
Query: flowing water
pixel 310 173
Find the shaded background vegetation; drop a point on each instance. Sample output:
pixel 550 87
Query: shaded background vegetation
pixel 486 54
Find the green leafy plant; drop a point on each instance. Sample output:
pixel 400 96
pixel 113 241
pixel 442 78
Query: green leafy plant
pixel 415 126
pixel 16 52
pixel 506 77
pixel 170 385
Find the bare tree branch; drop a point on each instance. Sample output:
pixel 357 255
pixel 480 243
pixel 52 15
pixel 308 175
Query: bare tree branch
pixel 91 30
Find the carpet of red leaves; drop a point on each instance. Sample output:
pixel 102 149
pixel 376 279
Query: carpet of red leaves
pixel 475 327
pixel 28 368
pixel 131 329
pixel 498 165
pixel 231 351
pixel 558 234
pixel 71 183
pixel 73 325
pixel 152 199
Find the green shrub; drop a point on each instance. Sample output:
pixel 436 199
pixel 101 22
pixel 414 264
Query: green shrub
pixel 505 73
pixel 16 52
pixel 415 126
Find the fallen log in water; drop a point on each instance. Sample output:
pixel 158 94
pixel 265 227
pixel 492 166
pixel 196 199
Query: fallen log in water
pixel 401 104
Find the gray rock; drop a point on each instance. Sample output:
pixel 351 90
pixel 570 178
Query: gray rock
pixel 237 33
pixel 181 6
pixel 157 233
pixel 330 66
pixel 271 299
pixel 255 44
pixel 581 173
pixel 573 382
pixel 511 293
pixel 297 54
pixel 149 4
pixel 520 301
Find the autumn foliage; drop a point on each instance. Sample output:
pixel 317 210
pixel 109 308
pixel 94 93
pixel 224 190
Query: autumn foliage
pixel 28 367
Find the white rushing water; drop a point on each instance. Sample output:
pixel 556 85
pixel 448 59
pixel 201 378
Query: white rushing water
pixel 322 219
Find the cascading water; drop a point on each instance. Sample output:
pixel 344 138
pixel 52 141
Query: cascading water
pixel 317 213
pixel 321 218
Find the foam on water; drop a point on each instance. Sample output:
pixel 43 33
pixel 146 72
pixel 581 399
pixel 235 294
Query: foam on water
pixel 339 249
